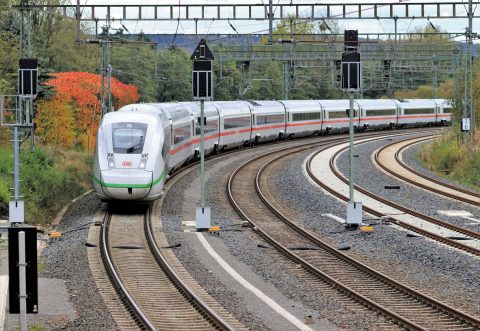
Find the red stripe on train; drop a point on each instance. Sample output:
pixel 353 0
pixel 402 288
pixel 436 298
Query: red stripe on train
pixel 326 121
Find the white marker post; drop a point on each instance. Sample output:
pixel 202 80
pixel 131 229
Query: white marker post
pixel 22 264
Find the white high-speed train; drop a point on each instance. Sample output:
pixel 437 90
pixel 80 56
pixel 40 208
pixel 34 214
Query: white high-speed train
pixel 140 144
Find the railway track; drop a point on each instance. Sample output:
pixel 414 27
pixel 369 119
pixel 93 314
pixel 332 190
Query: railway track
pixel 120 298
pixel 389 159
pixel 396 219
pixel 403 306
pixel 148 285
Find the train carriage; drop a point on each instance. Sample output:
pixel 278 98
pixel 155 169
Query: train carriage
pixel 211 127
pixel 180 125
pixel 417 112
pixel 140 144
pixel 235 123
pixel 377 114
pixel 133 168
pixel 268 120
pixel 336 115
pixel 444 111
pixel 304 118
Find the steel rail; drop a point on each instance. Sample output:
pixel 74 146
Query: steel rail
pixel 139 317
pixel 378 275
pixel 433 180
pixel 391 218
pixel 309 267
pixel 450 226
pixel 188 293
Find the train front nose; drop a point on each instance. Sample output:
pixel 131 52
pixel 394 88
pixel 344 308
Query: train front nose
pixel 126 184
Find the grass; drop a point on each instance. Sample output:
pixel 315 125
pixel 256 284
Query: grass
pixel 36 327
pixel 51 177
pixel 41 264
pixel 454 158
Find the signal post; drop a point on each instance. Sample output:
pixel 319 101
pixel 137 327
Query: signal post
pixel 202 90
pixel 16 111
pixel 351 83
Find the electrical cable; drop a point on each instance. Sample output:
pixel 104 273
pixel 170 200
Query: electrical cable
pixel 176 30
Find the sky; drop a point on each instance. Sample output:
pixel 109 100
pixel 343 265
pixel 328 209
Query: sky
pixel 246 27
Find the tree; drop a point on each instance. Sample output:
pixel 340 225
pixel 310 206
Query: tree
pixel 55 122
pixel 79 92
pixel 174 75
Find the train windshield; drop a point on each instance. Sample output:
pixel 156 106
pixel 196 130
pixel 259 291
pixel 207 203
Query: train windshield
pixel 128 138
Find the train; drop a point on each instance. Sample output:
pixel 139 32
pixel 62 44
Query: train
pixel 139 145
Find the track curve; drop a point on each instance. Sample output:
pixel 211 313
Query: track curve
pixel 374 290
pixel 406 173
pixel 392 218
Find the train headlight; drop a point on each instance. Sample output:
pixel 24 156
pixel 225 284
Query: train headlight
pixel 143 161
pixel 111 160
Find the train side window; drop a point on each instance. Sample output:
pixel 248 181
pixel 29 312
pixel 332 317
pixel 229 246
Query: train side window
pixel 211 126
pixel 340 114
pixel 379 112
pixel 165 145
pixel 236 122
pixel 181 133
pixel 270 119
pixel 305 116
pixel 415 111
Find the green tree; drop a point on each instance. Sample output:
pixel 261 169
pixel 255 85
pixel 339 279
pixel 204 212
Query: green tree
pixel 136 64
pixel 174 75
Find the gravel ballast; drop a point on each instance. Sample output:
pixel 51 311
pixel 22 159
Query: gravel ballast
pixel 442 272
pixel 445 273
pixel 66 259
pixel 250 249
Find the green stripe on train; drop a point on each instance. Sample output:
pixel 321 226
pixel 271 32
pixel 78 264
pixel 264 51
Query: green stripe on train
pixel 155 182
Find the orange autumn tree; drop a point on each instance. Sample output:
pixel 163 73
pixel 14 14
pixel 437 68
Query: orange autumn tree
pixel 72 115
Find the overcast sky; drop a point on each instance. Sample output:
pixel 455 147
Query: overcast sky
pixel 244 27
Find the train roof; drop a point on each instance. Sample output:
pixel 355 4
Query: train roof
pixel 445 102
pixel 302 105
pixel 266 107
pixel 376 103
pixel 336 104
pixel 416 103
pixel 174 110
pixel 209 108
pixel 130 114
pixel 225 107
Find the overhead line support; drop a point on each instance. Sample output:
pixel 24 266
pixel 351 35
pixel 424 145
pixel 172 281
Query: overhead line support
pixel 190 12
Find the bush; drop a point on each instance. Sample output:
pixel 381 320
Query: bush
pixel 50 178
pixel 454 158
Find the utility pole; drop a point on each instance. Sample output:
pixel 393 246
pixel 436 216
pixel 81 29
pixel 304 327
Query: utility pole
pixel 270 22
pixel 25 29
pixel 468 120
pixel 26 52
pixel 395 19
pixel 435 79
pixel 470 113
pixel 78 17
pixel 102 81
pixel 286 81
pixel 106 69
